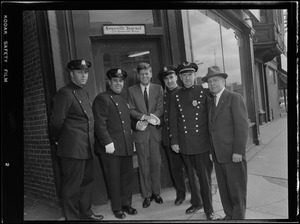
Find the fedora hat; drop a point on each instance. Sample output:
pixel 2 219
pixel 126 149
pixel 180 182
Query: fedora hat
pixel 214 71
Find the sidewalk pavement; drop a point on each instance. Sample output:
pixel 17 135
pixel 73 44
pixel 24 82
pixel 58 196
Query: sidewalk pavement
pixel 267 197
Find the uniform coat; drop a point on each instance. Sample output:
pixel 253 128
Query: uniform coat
pixel 72 122
pixel 188 120
pixel 113 124
pixel 189 129
pixel 228 128
pixel 72 126
pixel 147 142
pixel 175 159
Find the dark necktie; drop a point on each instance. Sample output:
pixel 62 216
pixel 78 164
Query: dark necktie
pixel 146 98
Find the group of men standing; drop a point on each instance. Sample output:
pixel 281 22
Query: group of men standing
pixel 198 127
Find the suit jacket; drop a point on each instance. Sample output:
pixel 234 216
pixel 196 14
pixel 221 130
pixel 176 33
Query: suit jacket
pixel 166 116
pixel 138 109
pixel 112 123
pixel 188 120
pixel 229 126
pixel 72 122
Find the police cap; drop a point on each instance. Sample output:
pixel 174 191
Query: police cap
pixel 167 70
pixel 80 64
pixel 187 67
pixel 116 72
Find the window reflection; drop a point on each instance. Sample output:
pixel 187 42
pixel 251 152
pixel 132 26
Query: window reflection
pixel 215 42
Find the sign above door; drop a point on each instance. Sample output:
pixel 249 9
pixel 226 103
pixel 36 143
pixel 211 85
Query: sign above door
pixel 123 29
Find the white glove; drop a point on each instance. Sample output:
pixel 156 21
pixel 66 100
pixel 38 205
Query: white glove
pixel 175 148
pixel 110 148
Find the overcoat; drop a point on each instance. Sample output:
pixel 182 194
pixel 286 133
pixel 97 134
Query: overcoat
pixel 72 122
pixel 112 123
pixel 228 126
pixel 166 118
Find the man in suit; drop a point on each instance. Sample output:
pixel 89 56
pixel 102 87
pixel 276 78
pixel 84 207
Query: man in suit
pixel 169 76
pixel 228 129
pixel 72 127
pixel 113 143
pixel 189 133
pixel 146 105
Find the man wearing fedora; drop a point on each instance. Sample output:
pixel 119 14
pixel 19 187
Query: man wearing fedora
pixel 169 77
pixel 114 144
pixel 228 129
pixel 189 134
pixel 72 128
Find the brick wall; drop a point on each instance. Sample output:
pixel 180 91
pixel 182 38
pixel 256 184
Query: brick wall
pixel 38 173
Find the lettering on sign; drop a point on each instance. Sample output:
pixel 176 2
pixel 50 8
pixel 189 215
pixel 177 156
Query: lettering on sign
pixel 123 29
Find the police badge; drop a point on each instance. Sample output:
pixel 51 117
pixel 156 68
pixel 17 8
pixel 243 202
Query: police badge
pixel 195 103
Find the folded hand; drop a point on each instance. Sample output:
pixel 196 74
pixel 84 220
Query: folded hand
pixel 141 125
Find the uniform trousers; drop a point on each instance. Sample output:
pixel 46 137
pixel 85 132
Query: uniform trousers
pixel 177 166
pixel 232 183
pixel 177 171
pixel 149 160
pixel 203 167
pixel 78 176
pixel 119 173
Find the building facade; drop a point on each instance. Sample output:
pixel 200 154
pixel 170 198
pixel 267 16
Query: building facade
pixel 123 38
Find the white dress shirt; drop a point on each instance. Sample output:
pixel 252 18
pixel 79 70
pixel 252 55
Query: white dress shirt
pixel 218 95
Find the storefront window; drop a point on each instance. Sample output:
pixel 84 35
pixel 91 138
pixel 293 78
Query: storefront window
pixel 121 16
pixel 215 42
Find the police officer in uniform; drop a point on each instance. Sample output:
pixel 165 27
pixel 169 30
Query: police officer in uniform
pixel 72 127
pixel 169 76
pixel 189 132
pixel 114 143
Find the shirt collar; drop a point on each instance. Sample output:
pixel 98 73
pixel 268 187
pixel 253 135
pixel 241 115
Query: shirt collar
pixel 218 95
pixel 143 87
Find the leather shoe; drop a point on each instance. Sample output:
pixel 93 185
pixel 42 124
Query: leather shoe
pixel 147 202
pixel 224 218
pixel 129 210
pixel 93 217
pixel 178 201
pixel 210 216
pixel 193 209
pixel 157 198
pixel 119 214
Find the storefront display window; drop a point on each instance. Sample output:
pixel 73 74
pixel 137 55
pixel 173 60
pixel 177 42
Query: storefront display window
pixel 215 42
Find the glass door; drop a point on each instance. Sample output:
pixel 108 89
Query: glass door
pixel 126 54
